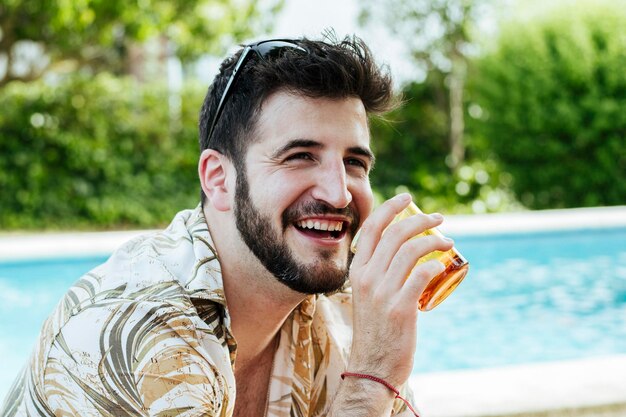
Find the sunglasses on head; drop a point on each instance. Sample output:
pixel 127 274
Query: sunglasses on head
pixel 264 50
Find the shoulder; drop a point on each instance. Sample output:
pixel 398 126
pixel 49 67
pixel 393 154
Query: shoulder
pixel 135 352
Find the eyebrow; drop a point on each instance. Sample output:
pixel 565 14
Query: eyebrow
pixel 308 143
pixel 365 152
pixel 295 143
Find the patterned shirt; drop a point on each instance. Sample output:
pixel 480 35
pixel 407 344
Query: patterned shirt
pixel 148 333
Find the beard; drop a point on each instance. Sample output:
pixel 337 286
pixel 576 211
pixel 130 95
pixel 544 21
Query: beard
pixel 270 247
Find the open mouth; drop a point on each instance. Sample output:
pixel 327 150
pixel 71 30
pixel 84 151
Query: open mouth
pixel 322 229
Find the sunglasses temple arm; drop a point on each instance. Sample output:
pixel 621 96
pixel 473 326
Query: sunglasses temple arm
pixel 231 80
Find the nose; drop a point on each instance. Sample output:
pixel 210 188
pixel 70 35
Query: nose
pixel 331 185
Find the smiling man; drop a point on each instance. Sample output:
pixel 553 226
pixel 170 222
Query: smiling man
pixel 253 304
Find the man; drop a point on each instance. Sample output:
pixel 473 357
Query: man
pixel 224 312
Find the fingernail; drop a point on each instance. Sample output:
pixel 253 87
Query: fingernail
pixel 402 197
pixel 436 216
pixel 447 239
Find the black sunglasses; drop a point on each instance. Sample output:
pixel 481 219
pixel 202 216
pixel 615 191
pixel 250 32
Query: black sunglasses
pixel 264 50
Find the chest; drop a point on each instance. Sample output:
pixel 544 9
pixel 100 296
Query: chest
pixel 252 385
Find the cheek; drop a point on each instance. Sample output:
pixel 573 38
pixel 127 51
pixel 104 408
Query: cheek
pixel 274 195
pixel 364 200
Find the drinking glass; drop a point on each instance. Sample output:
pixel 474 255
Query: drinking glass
pixel 442 285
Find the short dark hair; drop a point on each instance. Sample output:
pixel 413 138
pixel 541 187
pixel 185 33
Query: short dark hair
pixel 329 69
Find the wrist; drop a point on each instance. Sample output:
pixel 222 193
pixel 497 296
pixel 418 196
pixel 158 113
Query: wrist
pixel 381 383
pixel 367 385
pixel 361 398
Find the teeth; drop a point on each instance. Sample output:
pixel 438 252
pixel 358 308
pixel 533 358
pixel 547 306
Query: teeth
pixel 321 225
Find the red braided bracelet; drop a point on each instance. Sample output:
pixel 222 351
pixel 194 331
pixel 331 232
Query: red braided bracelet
pixel 385 383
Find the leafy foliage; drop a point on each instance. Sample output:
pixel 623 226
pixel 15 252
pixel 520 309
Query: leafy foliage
pixel 95 152
pixel 553 94
pixel 437 35
pixel 412 153
pixel 97 34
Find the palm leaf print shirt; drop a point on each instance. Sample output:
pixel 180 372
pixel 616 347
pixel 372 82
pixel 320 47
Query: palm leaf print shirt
pixel 148 333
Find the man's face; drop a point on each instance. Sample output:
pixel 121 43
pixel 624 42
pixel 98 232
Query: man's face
pixel 305 189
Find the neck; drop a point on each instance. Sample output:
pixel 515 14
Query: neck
pixel 256 316
pixel 258 304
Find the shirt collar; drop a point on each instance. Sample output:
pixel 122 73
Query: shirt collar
pixel 206 280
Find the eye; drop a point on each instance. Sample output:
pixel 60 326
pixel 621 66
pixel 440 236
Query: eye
pixel 299 155
pixel 356 162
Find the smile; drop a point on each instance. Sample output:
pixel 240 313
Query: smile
pixel 321 228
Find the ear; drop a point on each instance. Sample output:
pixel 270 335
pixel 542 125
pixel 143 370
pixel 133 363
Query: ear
pixel 213 168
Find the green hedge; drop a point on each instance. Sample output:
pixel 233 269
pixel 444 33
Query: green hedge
pixel 412 146
pixel 553 95
pixel 96 152
pixel 547 106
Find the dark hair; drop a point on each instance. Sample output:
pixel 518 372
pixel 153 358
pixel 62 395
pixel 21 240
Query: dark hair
pixel 329 68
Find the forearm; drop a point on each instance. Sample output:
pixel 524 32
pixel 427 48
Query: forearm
pixel 386 286
pixel 360 397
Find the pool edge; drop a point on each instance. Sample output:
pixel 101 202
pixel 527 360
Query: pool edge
pixel 29 245
pixel 529 389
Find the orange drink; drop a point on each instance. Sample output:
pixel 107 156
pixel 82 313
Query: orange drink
pixel 442 285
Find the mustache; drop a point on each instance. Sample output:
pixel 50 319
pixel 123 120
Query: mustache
pixel 313 208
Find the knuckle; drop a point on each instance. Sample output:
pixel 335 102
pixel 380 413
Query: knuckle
pixel 395 228
pixel 418 247
pixel 424 219
pixel 396 313
pixel 369 226
pixel 405 253
pixel 363 288
pixel 432 243
pixel 379 299
pixel 424 272
pixel 434 267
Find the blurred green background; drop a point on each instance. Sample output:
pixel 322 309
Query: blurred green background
pixel 97 133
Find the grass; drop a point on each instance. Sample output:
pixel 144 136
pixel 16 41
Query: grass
pixel 612 410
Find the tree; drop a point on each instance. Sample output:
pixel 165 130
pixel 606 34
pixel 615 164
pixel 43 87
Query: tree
pixel 94 34
pixel 437 32
pixel 92 152
pixel 553 93
pixel 411 147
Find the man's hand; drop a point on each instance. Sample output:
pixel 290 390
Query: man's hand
pixel 386 287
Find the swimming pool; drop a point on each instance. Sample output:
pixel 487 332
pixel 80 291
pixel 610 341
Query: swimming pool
pixel 529 297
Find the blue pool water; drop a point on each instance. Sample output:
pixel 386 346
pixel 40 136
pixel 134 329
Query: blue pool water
pixel 530 298
pixel 527 298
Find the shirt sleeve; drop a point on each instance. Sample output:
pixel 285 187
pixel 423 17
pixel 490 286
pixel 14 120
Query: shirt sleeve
pixel 132 358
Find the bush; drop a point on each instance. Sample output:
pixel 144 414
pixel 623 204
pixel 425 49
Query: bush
pixel 96 152
pixel 412 149
pixel 553 95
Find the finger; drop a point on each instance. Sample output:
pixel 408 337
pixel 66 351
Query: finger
pixel 409 254
pixel 399 233
pixel 418 280
pixel 375 224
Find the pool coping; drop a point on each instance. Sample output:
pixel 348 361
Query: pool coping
pixel 536 221
pixel 28 245
pixel 506 391
pixel 519 389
